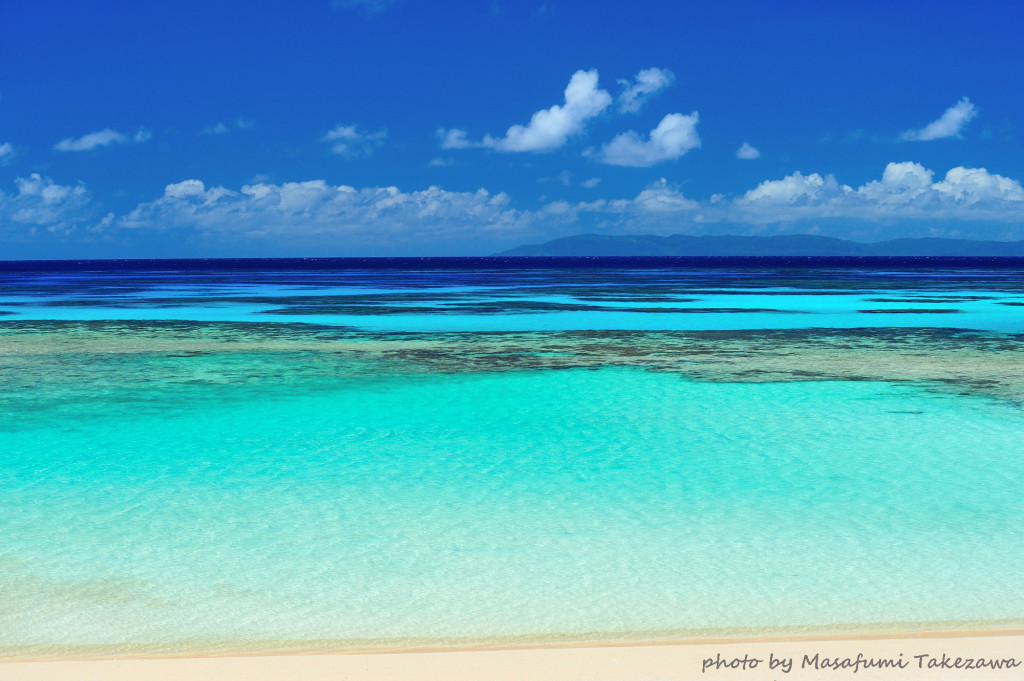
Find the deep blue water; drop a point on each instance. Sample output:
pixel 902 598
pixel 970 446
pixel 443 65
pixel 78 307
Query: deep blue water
pixel 590 262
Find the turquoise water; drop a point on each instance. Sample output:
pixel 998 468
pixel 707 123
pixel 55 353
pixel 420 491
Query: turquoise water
pixel 527 300
pixel 206 483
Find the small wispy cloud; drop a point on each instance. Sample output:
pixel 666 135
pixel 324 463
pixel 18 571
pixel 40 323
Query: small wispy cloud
pixel 563 178
pixel 646 84
pixel 454 138
pixel 747 152
pixel 241 123
pixel 6 152
pixel 591 183
pixel 350 142
pixel 102 138
pixel 219 129
pixel 675 135
pixel 950 124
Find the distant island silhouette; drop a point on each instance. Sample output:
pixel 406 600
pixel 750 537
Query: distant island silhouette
pixel 786 245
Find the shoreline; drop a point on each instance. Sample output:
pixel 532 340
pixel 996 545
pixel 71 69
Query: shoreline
pixel 909 655
pixel 641 639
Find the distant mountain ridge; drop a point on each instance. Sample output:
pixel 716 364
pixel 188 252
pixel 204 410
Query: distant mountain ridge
pixel 783 245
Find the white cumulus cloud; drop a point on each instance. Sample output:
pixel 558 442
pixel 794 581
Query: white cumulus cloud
pixel 747 152
pixel 909 189
pixel 40 202
pixel 906 198
pixel 660 197
pixel 551 128
pixel 950 124
pixel 659 208
pixel 184 189
pixel 315 217
pixel 902 183
pixel 793 197
pixel 675 135
pixel 336 214
pixel 905 190
pixel 967 188
pixel 646 83
pixel 350 142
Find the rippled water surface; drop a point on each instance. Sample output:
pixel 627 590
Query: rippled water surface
pixel 200 455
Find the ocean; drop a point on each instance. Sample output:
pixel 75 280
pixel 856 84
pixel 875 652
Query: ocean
pixel 222 455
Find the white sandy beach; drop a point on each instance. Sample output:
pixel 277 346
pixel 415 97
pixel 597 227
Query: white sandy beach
pixel 982 655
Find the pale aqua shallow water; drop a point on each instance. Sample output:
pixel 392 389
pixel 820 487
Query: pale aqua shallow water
pixel 233 488
pixel 523 503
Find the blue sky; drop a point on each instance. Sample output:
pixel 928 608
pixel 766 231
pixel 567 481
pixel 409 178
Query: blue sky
pixel 406 127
